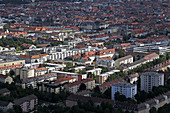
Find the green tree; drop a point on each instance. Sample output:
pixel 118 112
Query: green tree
pixel 153 110
pixel 17 109
pixel 82 87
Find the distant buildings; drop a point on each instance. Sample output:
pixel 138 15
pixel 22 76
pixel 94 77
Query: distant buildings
pixel 6 66
pixel 27 103
pixel 127 89
pixel 34 58
pixel 103 77
pixel 150 79
pixel 105 62
pixel 55 86
pixel 4 106
pixel 74 87
pixel 6 79
pixel 124 60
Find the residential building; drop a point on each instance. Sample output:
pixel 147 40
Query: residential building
pixel 6 66
pixel 133 78
pixel 103 87
pixel 96 71
pixel 27 103
pixel 105 62
pixel 74 87
pixel 34 58
pixel 150 79
pixel 124 60
pixel 127 89
pixel 55 86
pixel 6 79
pixel 103 77
pixel 24 73
pixel 32 81
pixel 4 105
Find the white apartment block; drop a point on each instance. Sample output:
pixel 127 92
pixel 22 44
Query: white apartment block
pixel 96 71
pixel 105 62
pixel 124 88
pixel 150 79
pixel 61 53
pixel 124 60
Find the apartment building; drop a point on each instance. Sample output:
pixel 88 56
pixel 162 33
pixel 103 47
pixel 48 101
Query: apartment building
pixel 6 66
pixel 127 89
pixel 27 103
pixel 66 74
pixel 55 86
pixel 103 77
pixel 96 71
pixel 34 58
pixel 105 62
pixel 150 79
pixel 4 105
pixel 133 78
pixel 124 60
pixel 6 79
pixel 25 73
pixel 74 87
pixel 32 81
pixel 103 87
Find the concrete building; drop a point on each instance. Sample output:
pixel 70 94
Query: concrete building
pixel 24 73
pixel 96 71
pixel 6 66
pixel 105 62
pixel 74 87
pixel 34 58
pixel 6 79
pixel 127 89
pixel 150 79
pixel 27 103
pixel 133 78
pixel 32 82
pixel 4 106
pixel 124 60
pixel 103 77
pixel 55 86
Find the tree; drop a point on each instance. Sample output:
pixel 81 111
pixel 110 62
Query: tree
pixel 11 72
pixel 164 109
pixel 120 97
pixel 82 87
pixel 96 89
pixel 153 110
pixel 17 109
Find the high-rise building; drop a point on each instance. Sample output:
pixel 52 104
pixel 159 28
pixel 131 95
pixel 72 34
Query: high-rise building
pixel 124 88
pixel 150 79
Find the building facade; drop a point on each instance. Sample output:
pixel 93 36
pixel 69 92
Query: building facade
pixel 74 87
pixel 27 103
pixel 124 60
pixel 150 79
pixel 127 89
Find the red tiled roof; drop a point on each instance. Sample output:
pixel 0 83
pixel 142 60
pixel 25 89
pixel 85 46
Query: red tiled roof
pixel 10 66
pixel 108 84
pixel 32 57
pixel 106 58
pixel 79 82
pixel 106 51
pixel 125 44
pixel 42 68
pixel 63 79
